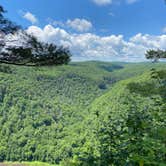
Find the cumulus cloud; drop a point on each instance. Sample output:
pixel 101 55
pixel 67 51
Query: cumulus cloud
pixel 88 46
pixel 108 2
pixel 56 22
pixel 50 34
pixel 164 30
pixel 77 24
pixel 30 17
pixel 102 2
pixel 111 14
pixel 17 39
pixel 80 25
pixel 131 1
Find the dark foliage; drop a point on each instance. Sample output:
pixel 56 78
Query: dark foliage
pixel 36 53
pixel 155 55
pixel 30 52
pixel 6 26
pixel 112 67
pixel 102 86
pixel 5 69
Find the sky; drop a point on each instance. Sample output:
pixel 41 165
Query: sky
pixel 106 30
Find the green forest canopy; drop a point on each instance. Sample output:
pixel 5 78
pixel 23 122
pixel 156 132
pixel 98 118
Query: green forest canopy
pixel 64 116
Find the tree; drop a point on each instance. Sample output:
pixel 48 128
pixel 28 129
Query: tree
pixel 31 52
pixel 6 26
pixel 19 48
pixel 48 54
pixel 160 82
pixel 155 55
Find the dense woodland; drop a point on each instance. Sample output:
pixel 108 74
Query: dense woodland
pixel 68 115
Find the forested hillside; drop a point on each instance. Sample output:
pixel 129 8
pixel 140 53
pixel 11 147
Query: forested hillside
pixel 86 113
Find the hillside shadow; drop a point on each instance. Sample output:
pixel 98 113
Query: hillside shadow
pixel 143 89
pixel 111 68
pixel 155 87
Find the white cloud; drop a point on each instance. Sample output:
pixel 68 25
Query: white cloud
pixel 50 34
pixel 108 2
pixel 111 14
pixel 77 24
pixel 88 46
pixel 102 2
pixel 80 25
pixel 30 17
pixel 131 1
pixel 17 39
pixel 164 30
pixel 55 22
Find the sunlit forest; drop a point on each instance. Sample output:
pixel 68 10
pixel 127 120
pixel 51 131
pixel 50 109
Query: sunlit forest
pixel 58 112
pixel 70 115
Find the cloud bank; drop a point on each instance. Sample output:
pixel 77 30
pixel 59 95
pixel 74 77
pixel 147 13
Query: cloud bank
pixel 88 46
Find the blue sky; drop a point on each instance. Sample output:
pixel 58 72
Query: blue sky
pixel 119 24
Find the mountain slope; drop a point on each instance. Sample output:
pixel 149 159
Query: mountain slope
pixel 130 122
pixel 53 114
